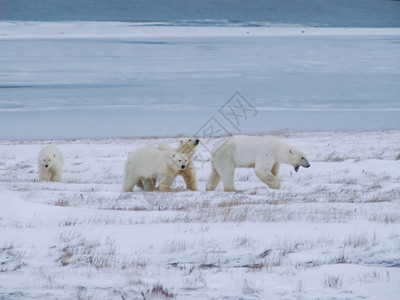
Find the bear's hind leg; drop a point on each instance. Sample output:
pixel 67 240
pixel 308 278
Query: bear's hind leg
pixel 267 177
pixel 129 183
pixel 213 180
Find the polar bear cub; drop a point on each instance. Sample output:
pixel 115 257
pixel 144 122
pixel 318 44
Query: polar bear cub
pixel 264 154
pixel 147 165
pixel 186 146
pixel 50 163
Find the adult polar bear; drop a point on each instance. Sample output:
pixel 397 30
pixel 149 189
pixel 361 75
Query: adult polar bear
pixel 264 154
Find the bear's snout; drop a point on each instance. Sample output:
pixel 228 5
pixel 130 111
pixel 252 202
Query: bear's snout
pixel 183 166
pixel 46 166
pixel 196 142
pixel 306 164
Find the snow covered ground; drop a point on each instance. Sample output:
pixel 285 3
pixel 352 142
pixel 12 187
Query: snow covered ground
pixel 331 232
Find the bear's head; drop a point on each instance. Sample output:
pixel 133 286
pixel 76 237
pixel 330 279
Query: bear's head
pixel 177 161
pixel 48 160
pixel 297 159
pixel 187 146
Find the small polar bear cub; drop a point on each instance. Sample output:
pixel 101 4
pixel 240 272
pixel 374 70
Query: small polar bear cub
pixel 264 154
pixel 50 163
pixel 186 146
pixel 148 165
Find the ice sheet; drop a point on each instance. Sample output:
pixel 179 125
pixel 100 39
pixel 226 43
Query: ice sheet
pixel 96 80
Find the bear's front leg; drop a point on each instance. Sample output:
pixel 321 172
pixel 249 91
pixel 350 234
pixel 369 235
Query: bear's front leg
pixel 44 174
pixel 165 183
pixel 56 176
pixel 267 177
pixel 148 185
pixel 227 177
pixel 190 178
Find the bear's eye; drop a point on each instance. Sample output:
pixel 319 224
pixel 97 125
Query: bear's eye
pixel 302 158
pixel 190 140
pixel 54 155
pixel 180 160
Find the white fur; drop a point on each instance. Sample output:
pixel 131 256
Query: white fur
pixel 146 165
pixel 264 154
pixel 50 163
pixel 186 146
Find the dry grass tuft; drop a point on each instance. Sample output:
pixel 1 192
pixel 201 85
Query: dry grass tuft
pixel 78 250
pixel 333 281
pixel 157 292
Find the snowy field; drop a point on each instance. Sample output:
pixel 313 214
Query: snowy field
pixel 331 232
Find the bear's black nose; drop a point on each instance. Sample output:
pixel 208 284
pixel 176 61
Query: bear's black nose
pixel 183 166
pixel 197 142
pixel 46 166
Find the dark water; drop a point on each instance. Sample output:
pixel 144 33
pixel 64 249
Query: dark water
pixel 331 13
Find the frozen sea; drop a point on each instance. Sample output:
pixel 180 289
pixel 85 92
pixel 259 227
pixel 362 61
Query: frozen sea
pixel 107 79
pixel 150 68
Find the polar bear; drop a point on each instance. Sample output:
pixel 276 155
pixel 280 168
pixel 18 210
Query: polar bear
pixel 264 154
pixel 50 163
pixel 146 165
pixel 186 146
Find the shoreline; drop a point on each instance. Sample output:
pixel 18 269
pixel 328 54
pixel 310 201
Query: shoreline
pixel 82 30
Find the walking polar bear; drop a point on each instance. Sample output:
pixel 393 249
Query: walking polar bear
pixel 146 165
pixel 264 154
pixel 50 163
pixel 186 146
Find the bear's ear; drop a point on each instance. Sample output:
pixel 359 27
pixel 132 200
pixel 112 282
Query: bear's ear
pixel 173 155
